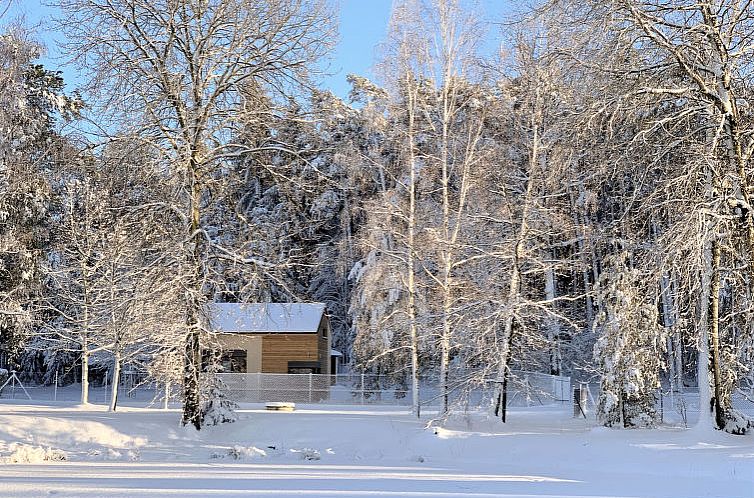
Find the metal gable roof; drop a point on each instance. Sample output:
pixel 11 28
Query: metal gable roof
pixel 266 317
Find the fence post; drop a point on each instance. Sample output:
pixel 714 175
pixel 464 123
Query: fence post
pixel 310 387
pixel 580 400
pixel 362 388
pixel 167 395
pixel 55 392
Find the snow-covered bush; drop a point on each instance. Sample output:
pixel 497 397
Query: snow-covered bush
pixel 23 453
pixel 241 453
pixel 306 453
pixel 734 363
pixel 218 408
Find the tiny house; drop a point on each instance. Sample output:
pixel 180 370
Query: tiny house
pixel 272 337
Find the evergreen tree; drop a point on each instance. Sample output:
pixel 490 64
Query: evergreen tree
pixel 629 347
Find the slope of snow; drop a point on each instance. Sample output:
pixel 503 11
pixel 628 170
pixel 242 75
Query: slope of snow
pixel 363 451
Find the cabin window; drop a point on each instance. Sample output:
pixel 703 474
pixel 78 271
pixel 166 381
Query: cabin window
pixel 300 370
pixel 233 361
pixel 303 367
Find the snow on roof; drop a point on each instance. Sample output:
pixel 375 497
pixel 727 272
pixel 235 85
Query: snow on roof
pixel 335 352
pixel 266 317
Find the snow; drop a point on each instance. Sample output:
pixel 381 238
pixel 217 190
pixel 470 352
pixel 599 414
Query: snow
pixel 325 451
pixel 23 453
pixel 266 317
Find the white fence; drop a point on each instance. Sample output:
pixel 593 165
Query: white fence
pixel 132 389
pixel 677 407
pixel 525 389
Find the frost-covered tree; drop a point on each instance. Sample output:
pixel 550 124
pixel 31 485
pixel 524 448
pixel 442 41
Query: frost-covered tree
pixel 185 76
pixel 630 342
pixel 676 73
pixel 31 98
pixel 111 289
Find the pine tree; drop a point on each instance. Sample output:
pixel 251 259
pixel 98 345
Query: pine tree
pixel 629 346
pixel 31 99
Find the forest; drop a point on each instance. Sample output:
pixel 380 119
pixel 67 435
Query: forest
pixel 577 202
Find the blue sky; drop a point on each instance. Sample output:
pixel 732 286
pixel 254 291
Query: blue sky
pixel 363 25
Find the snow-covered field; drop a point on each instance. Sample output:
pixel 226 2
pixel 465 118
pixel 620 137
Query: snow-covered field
pixel 358 452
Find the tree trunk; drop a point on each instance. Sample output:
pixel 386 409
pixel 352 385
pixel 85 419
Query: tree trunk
pixel 446 250
pixel 507 338
pixel 445 349
pixel 85 375
pixel 514 287
pixel 413 329
pixel 581 240
pixel 669 318
pixel 411 250
pixel 504 375
pixel 86 332
pixel 191 397
pixel 714 318
pixel 115 382
pixel 703 379
pixel 191 401
pixel 553 326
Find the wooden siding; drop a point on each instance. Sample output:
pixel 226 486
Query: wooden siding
pixel 323 346
pixel 279 349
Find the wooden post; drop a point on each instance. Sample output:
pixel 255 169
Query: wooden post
pixel 55 392
pixel 579 401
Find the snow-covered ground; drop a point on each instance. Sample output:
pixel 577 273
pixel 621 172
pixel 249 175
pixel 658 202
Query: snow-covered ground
pixel 321 451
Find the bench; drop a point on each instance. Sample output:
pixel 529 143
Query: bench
pixel 280 406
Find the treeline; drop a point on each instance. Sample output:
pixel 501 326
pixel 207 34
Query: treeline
pixel 578 204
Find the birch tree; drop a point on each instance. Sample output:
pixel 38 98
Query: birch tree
pixel 432 63
pixel 457 128
pixel 76 289
pixel 528 192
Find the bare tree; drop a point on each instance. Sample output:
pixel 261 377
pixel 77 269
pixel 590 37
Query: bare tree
pixel 183 75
